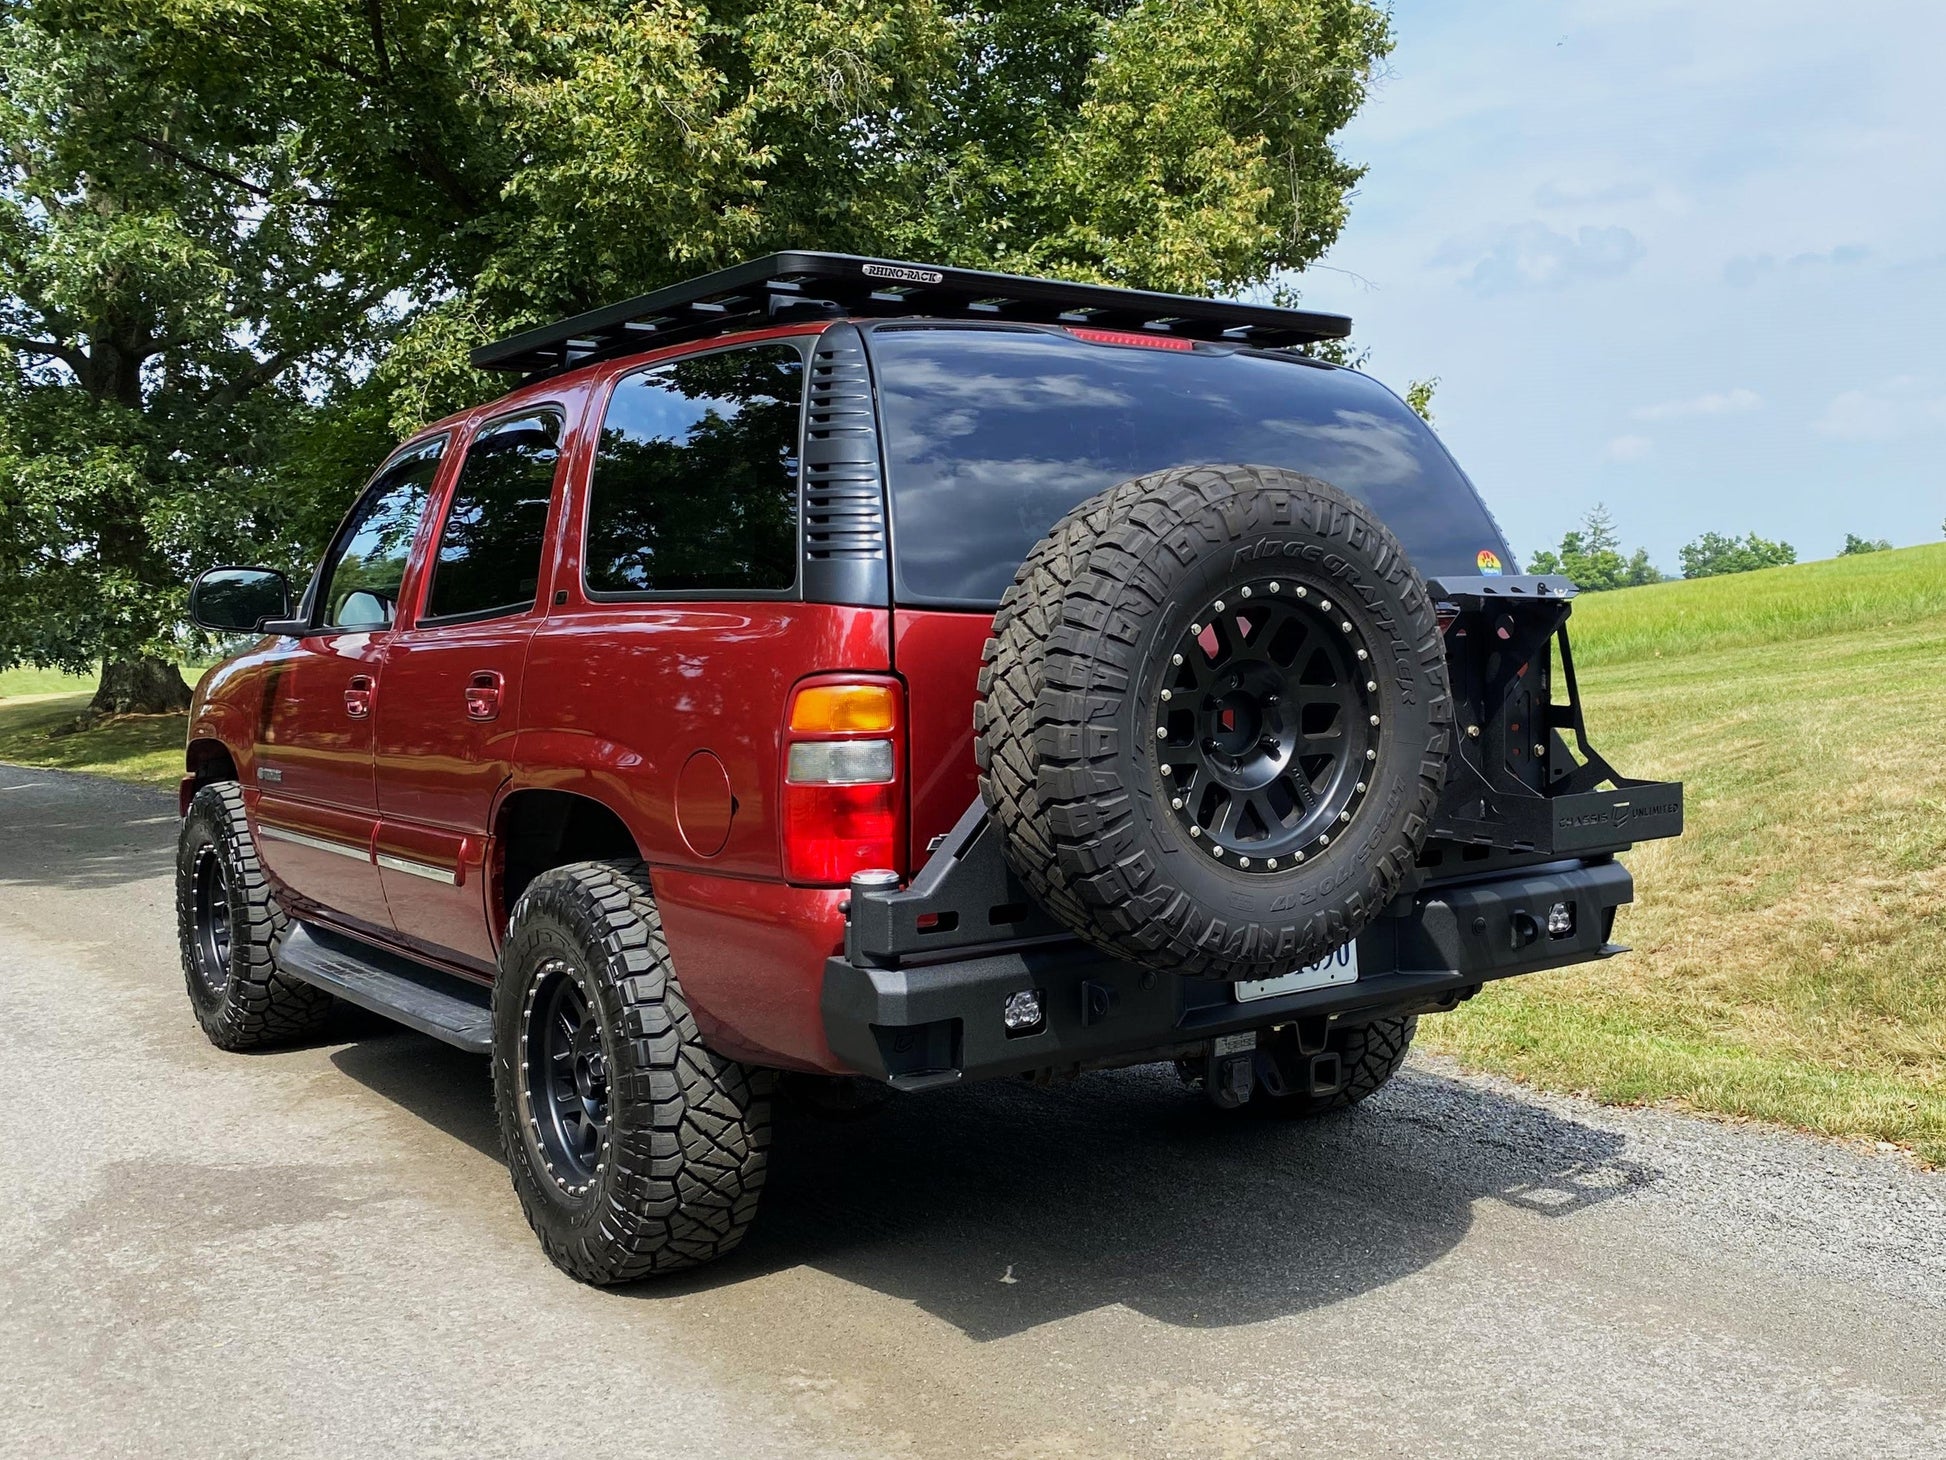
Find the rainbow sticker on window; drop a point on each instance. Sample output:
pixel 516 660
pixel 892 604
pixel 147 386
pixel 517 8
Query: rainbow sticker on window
pixel 1489 562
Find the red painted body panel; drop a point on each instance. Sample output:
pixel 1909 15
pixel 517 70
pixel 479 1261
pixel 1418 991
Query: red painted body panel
pixel 938 655
pixel 604 699
pixel 312 762
pixel 751 957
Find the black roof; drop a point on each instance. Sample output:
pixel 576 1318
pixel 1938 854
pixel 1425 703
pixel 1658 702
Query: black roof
pixel 784 283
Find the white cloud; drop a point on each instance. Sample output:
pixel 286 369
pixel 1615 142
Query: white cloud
pixel 1534 256
pixel 1713 403
pixel 1750 267
pixel 1630 448
pixel 1903 406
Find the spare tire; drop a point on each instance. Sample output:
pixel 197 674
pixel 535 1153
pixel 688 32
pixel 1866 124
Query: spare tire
pixel 1213 720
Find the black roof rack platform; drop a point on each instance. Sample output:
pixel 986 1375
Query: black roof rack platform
pixel 749 293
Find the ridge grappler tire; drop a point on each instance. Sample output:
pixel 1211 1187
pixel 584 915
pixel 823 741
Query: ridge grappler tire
pixel 634 1150
pixel 1214 719
pixel 229 925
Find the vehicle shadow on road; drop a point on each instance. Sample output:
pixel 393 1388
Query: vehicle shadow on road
pixel 1001 1207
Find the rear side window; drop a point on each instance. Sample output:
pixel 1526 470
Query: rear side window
pixel 489 559
pixel 359 587
pixel 695 477
pixel 992 435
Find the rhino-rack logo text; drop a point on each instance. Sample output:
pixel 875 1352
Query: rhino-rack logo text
pixel 903 275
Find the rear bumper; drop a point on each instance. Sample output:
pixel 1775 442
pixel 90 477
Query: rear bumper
pixel 920 1025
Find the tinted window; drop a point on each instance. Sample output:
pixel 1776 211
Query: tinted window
pixel 695 479
pixel 361 588
pixel 489 557
pixel 992 435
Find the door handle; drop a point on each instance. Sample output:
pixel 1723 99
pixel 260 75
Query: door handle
pixel 483 695
pixel 358 696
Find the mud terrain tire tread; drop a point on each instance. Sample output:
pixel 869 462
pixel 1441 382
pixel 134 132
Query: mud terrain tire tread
pixel 260 1007
pixel 1067 652
pixel 689 1130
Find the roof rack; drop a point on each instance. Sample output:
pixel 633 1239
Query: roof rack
pixel 844 284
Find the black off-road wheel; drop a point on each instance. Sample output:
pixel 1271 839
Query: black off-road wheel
pixel 229 926
pixel 634 1150
pixel 1214 720
pixel 1369 1055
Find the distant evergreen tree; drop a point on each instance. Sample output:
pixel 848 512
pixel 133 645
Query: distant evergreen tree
pixel 1592 556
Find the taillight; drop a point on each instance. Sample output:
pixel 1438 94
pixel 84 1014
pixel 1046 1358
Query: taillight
pixel 844 801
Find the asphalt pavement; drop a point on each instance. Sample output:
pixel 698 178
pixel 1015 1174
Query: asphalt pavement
pixel 317 1252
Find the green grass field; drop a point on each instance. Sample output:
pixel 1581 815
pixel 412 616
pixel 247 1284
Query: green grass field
pixel 37 703
pixel 1790 959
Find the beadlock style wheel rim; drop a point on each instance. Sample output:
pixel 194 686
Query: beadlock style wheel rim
pixel 1267 726
pixel 210 889
pixel 564 1078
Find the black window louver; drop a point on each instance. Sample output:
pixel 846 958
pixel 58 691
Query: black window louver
pixel 844 493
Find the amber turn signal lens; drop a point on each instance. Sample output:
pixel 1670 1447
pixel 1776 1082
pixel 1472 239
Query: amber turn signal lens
pixel 843 708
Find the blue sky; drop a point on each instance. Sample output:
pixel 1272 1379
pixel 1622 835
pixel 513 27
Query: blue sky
pixel 1685 258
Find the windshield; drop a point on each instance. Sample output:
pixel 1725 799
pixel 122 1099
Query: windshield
pixel 991 435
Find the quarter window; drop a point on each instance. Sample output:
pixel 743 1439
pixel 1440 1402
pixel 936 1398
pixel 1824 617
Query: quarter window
pixel 360 587
pixel 695 476
pixel 489 559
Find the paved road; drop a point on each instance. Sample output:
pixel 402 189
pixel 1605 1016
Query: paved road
pixel 317 1252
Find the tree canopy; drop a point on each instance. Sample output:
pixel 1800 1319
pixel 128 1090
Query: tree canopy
pixel 245 245
pixel 1592 556
pixel 1713 554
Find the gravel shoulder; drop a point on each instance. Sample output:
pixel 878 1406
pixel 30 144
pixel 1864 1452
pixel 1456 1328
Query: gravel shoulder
pixel 317 1252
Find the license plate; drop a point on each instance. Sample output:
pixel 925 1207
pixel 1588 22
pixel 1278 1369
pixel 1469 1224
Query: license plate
pixel 1333 968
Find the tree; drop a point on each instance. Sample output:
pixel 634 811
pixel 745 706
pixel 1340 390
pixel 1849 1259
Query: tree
pixel 1418 395
pixel 155 311
pixel 1856 545
pixel 247 245
pixel 1592 556
pixel 1713 554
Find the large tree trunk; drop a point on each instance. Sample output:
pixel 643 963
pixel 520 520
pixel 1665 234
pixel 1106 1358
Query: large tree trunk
pixel 141 686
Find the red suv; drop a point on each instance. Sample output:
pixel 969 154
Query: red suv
pixel 882 676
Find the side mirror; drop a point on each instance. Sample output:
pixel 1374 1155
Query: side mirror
pixel 239 600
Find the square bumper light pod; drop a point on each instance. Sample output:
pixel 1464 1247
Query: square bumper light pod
pixel 1022 1013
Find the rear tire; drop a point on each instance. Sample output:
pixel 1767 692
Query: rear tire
pixel 228 925
pixel 633 1148
pixel 1371 1055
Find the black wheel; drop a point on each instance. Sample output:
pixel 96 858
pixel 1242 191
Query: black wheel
pixel 1214 720
pixel 634 1149
pixel 228 925
pixel 1369 1055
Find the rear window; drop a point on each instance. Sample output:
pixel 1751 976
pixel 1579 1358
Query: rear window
pixel 992 435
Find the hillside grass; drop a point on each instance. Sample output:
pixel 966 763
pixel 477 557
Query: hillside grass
pixel 37 707
pixel 1790 961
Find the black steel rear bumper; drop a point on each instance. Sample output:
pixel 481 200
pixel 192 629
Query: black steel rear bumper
pixel 924 1023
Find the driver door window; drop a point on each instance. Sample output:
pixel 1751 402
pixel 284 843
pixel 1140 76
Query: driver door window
pixel 360 590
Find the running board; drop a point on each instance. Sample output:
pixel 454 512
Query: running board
pixel 440 1004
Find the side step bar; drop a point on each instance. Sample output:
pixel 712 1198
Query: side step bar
pixel 426 999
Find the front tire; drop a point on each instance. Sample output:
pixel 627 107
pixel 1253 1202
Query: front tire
pixel 633 1148
pixel 229 926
